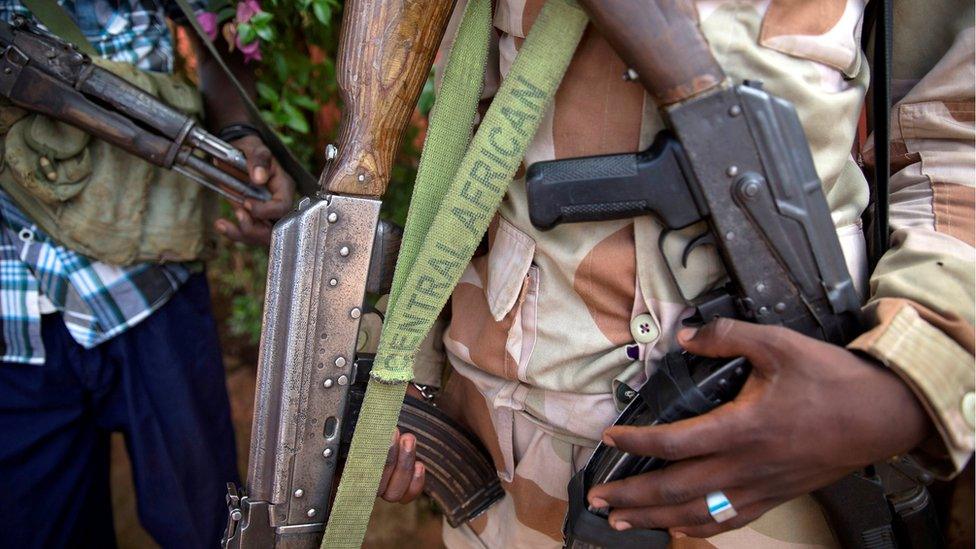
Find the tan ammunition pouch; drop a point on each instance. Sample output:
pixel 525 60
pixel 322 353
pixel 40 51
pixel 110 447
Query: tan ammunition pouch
pixel 99 200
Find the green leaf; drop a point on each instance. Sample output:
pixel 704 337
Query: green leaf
pixel 305 102
pixel 266 92
pixel 279 118
pixel 281 67
pixel 265 33
pixel 296 119
pixel 225 14
pixel 246 33
pixel 261 19
pixel 322 11
pixel 426 101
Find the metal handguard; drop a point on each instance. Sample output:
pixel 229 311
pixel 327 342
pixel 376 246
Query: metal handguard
pixel 739 160
pixel 324 257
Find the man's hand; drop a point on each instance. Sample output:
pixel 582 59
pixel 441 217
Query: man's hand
pixel 255 218
pixel 403 476
pixel 810 413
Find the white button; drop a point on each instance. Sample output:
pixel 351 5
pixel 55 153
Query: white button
pixel 969 409
pixel 644 329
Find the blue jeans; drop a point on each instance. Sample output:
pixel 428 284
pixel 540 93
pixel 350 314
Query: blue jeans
pixel 160 384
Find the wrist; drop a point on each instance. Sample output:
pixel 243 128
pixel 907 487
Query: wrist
pixel 900 421
pixel 235 131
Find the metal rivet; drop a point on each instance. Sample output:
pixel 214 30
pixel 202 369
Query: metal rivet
pixel 340 362
pixel 236 515
pixel 331 152
pixel 760 287
pixel 343 380
pixel 344 251
pixel 355 312
pixel 735 110
pixel 333 282
pixel 311 513
pixel 361 178
pixel 779 307
pixel 763 311
pixel 751 189
pixel 333 217
pixel 327 452
pixel 327 383
pixel 299 493
pixel 7 70
pixel 630 75
pixel 732 171
pixel 729 235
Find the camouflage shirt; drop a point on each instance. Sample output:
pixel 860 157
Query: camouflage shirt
pixel 546 328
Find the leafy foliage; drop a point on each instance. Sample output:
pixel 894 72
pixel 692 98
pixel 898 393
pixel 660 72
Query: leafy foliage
pixel 292 45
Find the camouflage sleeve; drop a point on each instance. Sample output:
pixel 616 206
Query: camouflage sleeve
pixel 922 292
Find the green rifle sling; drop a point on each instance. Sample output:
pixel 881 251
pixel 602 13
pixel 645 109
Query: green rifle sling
pixel 459 187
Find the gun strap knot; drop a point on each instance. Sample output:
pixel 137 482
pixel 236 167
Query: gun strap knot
pixel 458 189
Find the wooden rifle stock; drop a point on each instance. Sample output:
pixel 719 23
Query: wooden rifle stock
pixel 386 50
pixel 659 39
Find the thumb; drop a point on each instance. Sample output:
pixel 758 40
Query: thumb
pixel 258 159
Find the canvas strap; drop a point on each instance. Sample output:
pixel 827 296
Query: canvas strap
pixel 458 189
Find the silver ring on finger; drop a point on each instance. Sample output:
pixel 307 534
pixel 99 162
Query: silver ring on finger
pixel 719 506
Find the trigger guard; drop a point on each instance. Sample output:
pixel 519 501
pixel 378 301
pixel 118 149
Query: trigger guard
pixel 705 238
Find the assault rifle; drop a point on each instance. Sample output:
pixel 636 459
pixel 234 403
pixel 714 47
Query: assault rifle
pixel 734 157
pixel 324 258
pixel 44 74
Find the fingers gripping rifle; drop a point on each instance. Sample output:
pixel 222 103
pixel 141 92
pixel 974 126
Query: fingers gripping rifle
pixel 44 74
pixel 736 158
pixel 324 257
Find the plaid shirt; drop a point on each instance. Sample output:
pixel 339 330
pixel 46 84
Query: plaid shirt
pixel 128 31
pixel 98 301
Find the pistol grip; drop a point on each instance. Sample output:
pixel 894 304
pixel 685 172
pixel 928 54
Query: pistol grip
pixel 593 188
pixel 598 188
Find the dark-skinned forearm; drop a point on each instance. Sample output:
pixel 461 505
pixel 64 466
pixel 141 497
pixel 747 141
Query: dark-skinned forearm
pixel 221 102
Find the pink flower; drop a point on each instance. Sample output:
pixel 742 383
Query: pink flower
pixel 251 52
pixel 247 9
pixel 208 21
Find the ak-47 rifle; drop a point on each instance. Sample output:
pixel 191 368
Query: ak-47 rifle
pixel 324 258
pixel 735 157
pixel 45 74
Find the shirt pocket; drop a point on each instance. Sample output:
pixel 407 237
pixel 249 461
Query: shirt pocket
pixel 934 139
pixel 495 305
pixel 825 31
